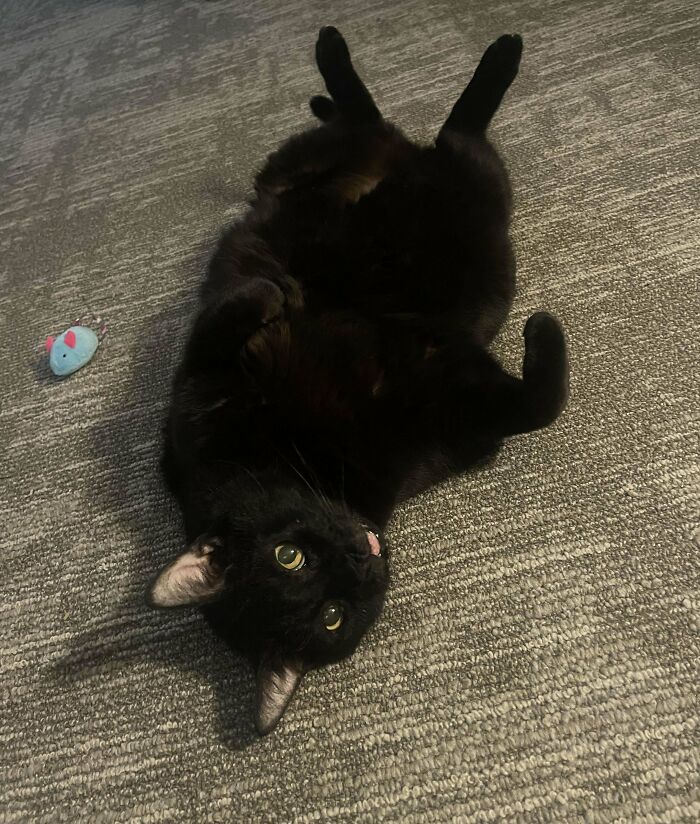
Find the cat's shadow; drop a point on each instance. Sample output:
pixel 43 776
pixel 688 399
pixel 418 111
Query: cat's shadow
pixel 186 645
pixel 127 443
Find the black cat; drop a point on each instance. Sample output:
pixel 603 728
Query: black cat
pixel 339 365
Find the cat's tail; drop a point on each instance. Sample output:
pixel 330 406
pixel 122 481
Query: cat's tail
pixel 323 107
pixel 350 98
pixel 478 103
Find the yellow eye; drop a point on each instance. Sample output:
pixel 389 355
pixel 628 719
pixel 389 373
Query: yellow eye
pixel 333 617
pixel 289 556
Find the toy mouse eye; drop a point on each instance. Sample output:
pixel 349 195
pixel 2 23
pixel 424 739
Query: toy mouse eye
pixel 289 556
pixel 333 617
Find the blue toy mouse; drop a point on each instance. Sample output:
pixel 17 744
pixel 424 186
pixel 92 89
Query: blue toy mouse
pixel 74 348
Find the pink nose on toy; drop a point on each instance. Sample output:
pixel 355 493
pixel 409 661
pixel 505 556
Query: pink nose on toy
pixel 69 338
pixel 49 342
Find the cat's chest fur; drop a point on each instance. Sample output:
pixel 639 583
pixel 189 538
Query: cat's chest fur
pixel 321 371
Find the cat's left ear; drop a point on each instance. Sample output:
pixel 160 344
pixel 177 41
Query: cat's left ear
pixel 195 577
pixel 277 681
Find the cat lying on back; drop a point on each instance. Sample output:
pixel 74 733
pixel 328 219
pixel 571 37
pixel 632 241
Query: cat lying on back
pixel 339 365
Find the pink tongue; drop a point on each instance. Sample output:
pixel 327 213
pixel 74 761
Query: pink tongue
pixel 374 546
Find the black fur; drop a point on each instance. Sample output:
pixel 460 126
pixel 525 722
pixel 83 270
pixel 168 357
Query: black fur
pixel 339 365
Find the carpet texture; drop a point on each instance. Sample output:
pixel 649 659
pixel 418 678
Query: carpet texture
pixel 538 656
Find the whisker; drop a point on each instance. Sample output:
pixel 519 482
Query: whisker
pixel 252 476
pixel 298 472
pixel 318 491
pixel 244 468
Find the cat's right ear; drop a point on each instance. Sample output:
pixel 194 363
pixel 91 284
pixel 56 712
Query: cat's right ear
pixel 195 577
pixel 277 681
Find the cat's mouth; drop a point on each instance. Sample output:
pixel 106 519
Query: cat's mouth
pixel 375 546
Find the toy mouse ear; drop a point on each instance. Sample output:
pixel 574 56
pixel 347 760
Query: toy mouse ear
pixel 69 338
pixel 49 342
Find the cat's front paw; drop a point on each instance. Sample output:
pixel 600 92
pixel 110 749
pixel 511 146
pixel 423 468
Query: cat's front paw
pixel 543 333
pixel 262 301
pixel 545 367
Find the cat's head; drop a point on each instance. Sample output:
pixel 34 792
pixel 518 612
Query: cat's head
pixel 293 581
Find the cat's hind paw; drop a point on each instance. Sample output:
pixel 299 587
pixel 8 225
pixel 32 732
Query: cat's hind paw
pixel 502 58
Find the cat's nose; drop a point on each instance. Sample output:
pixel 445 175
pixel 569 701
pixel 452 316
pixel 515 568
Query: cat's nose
pixel 375 546
pixel 370 544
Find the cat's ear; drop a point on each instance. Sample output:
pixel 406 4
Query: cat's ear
pixel 277 681
pixel 195 577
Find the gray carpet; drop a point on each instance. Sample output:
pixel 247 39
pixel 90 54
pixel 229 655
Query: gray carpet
pixel 538 657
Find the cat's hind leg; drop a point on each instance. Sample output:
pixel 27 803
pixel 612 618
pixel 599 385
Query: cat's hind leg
pixel 478 103
pixel 350 98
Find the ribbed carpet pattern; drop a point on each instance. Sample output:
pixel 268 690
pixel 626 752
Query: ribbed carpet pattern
pixel 538 657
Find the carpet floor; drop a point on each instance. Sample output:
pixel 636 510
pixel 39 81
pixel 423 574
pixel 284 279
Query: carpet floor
pixel 538 659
